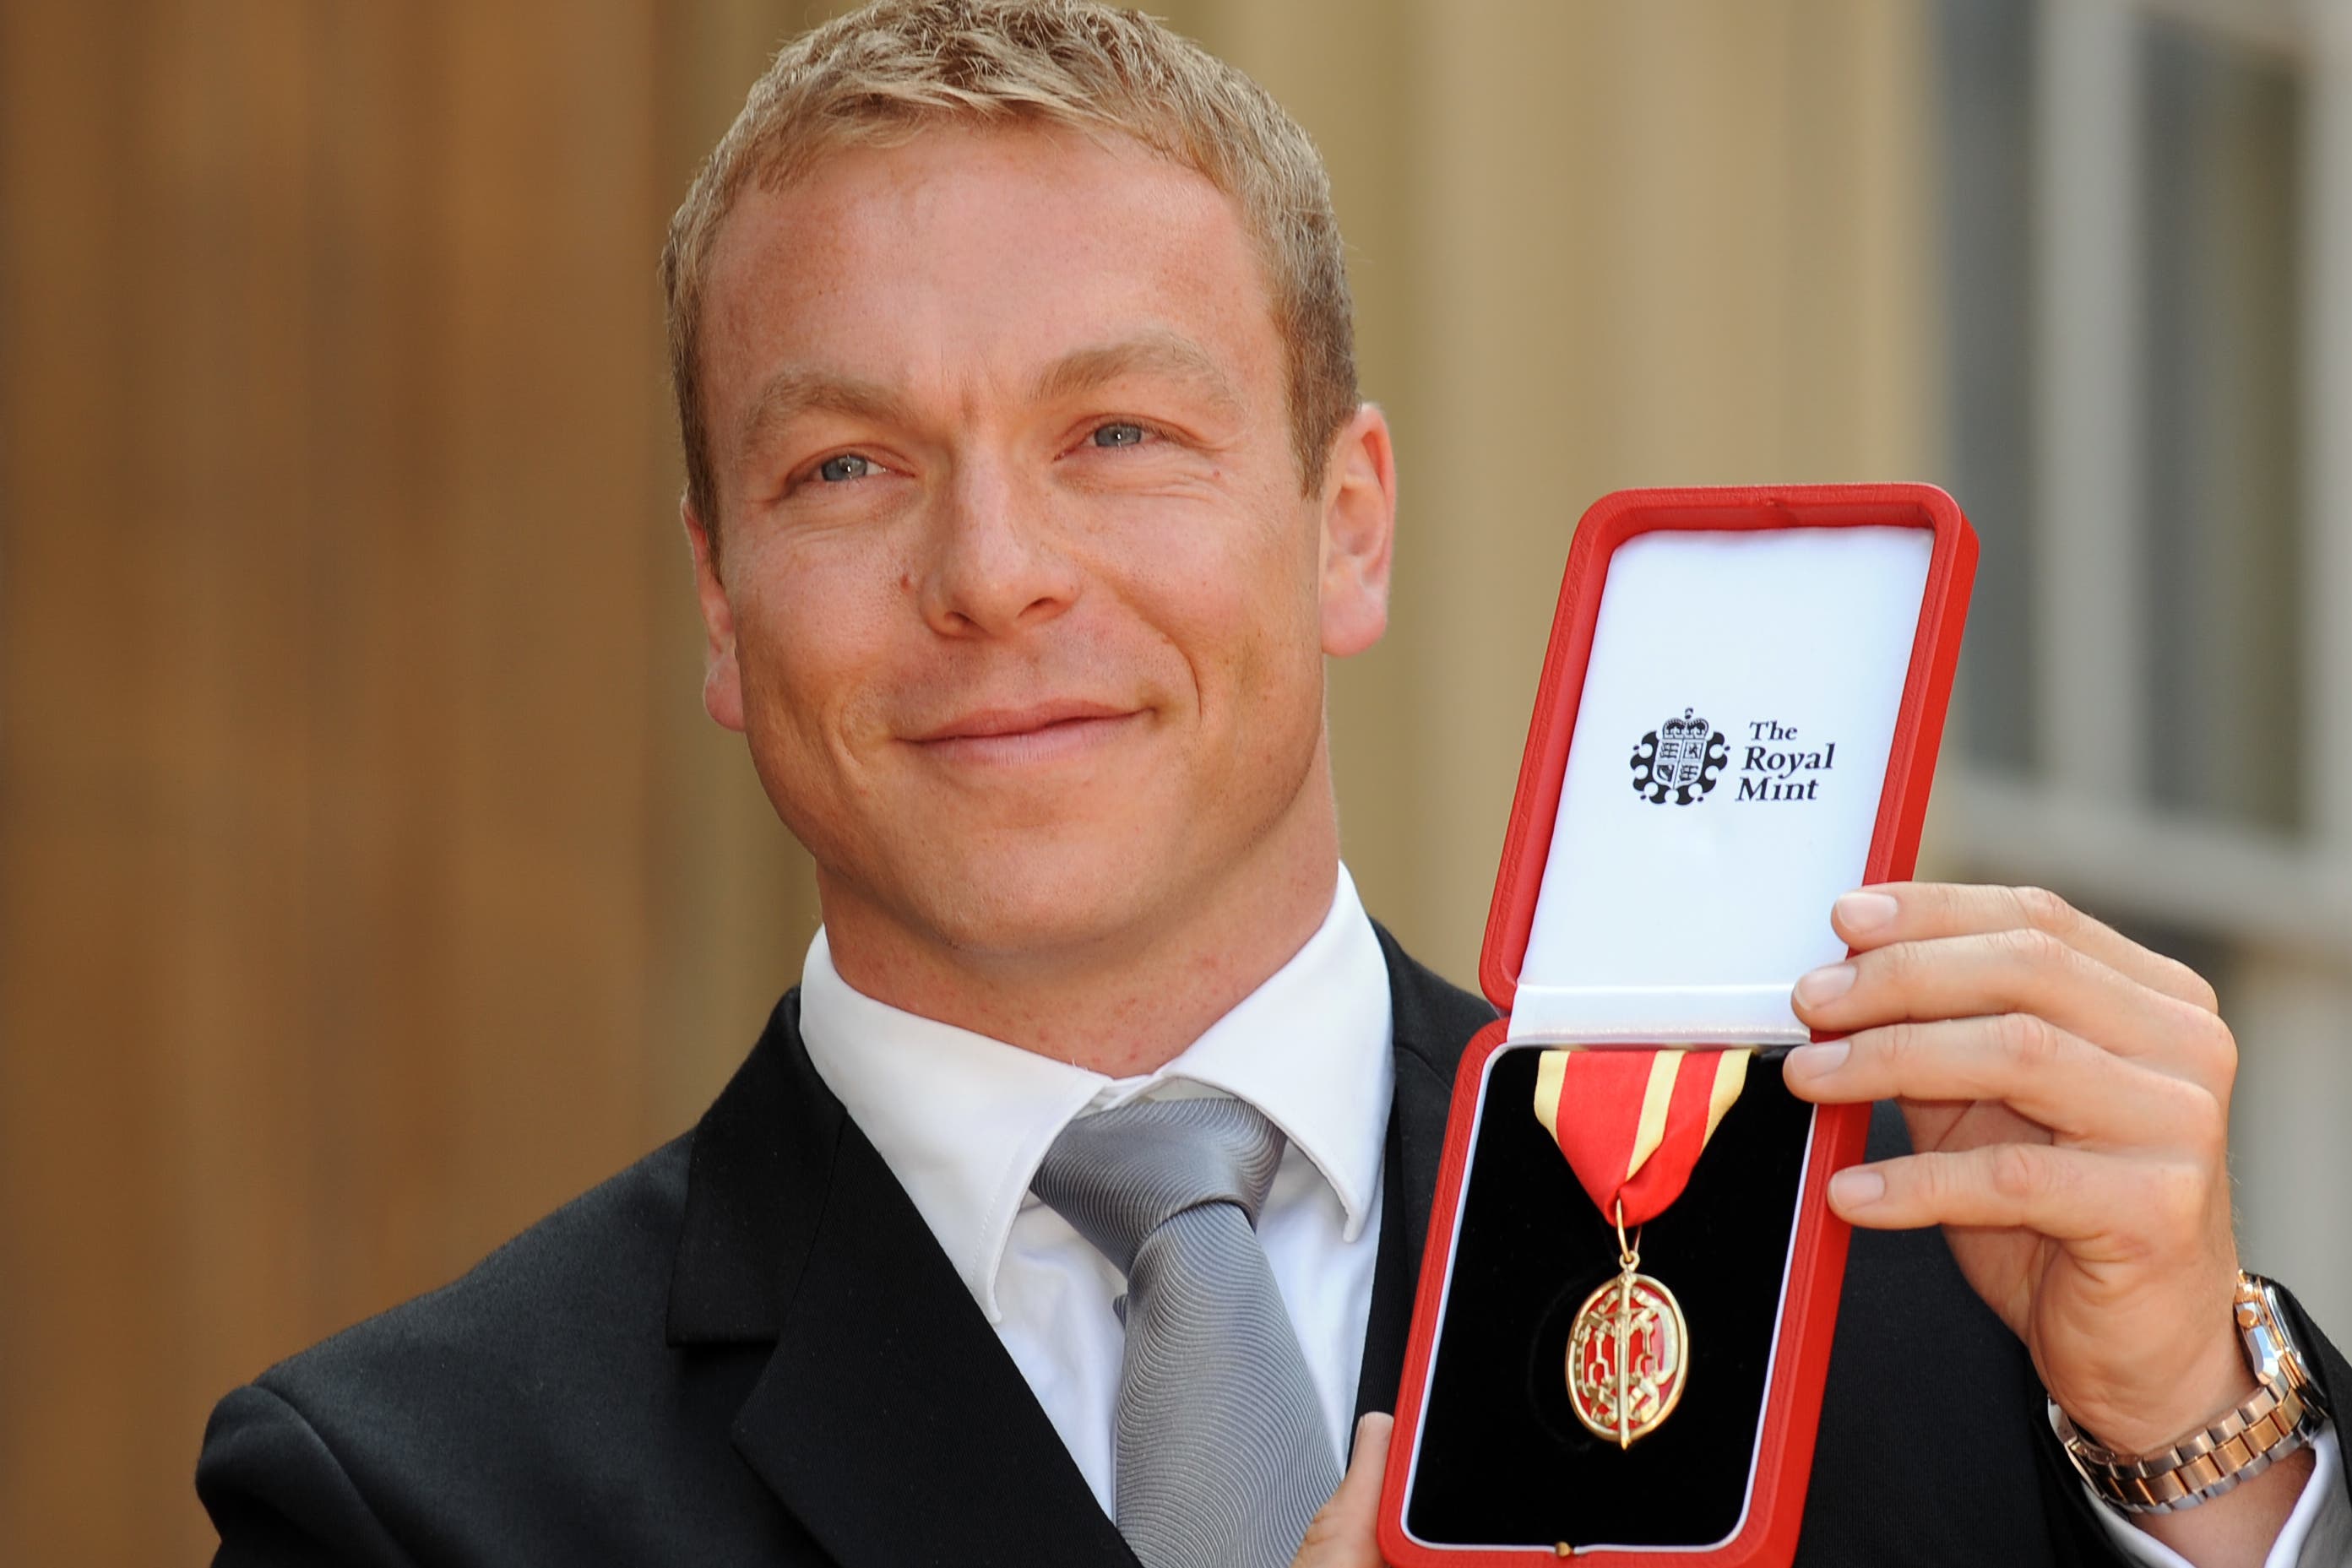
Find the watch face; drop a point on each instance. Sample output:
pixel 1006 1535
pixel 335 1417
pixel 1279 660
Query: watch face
pixel 2269 1350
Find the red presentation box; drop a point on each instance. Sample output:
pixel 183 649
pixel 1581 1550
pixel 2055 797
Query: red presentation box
pixel 1739 719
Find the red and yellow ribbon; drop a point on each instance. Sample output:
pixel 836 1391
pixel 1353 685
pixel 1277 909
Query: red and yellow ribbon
pixel 1631 1122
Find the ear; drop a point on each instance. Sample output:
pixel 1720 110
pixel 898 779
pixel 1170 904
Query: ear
pixel 723 681
pixel 1358 533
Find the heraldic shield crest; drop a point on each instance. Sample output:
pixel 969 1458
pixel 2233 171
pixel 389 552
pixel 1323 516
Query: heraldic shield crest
pixel 1679 760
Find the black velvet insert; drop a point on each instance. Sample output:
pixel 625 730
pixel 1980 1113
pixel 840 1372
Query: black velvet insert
pixel 1504 1461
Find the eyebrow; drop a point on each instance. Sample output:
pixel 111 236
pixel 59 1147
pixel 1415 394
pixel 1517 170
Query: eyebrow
pixel 796 390
pixel 799 389
pixel 1153 353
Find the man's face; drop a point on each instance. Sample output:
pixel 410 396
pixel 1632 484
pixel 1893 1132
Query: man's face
pixel 1016 594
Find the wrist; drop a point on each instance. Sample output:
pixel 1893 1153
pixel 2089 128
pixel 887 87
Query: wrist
pixel 2215 1382
pixel 2213 1457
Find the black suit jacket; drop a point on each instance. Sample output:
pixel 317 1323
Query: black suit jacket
pixel 747 1348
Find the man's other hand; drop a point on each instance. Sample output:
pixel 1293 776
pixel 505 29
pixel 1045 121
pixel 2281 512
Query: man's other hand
pixel 2068 1097
pixel 1345 1534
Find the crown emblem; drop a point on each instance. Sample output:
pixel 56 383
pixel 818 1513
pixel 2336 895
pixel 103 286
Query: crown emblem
pixel 1679 760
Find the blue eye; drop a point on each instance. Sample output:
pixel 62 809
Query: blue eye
pixel 1120 435
pixel 847 467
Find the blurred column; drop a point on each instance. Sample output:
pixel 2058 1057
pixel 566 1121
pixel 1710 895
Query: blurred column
pixel 2327 413
pixel 2294 1164
pixel 2089 595
pixel 2294 1016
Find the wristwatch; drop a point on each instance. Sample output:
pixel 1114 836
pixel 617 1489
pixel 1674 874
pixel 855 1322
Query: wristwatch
pixel 2284 1413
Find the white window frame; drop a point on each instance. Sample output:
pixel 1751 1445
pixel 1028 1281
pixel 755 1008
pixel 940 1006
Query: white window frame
pixel 2280 904
pixel 2083 821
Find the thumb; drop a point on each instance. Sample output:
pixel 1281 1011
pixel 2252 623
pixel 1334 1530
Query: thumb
pixel 1345 1534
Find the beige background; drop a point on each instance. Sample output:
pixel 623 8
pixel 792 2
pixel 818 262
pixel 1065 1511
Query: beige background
pixel 370 879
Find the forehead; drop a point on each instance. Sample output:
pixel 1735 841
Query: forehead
pixel 981 253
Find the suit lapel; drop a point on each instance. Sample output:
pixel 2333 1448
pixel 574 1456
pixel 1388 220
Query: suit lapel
pixel 1433 1020
pixel 889 1418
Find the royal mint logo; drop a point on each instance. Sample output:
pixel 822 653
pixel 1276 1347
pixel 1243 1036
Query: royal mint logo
pixel 1679 760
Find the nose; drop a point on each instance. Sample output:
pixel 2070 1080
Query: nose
pixel 993 563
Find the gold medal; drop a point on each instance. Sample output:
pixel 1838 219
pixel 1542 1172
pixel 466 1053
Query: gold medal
pixel 1631 1123
pixel 1627 1353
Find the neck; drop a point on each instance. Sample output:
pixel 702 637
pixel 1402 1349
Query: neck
pixel 1127 1002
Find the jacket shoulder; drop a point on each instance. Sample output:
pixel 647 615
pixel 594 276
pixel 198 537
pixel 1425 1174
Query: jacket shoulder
pixel 512 1371
pixel 593 1273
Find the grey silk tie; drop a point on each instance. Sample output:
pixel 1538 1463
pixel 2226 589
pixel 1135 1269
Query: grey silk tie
pixel 1222 1458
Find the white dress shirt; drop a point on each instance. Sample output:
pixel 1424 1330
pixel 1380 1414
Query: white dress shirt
pixel 963 1120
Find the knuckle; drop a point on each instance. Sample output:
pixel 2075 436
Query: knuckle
pixel 2209 1129
pixel 2043 910
pixel 2190 1115
pixel 1891 966
pixel 2015 1172
pixel 2029 1041
pixel 1896 1045
pixel 2211 1048
pixel 1322 1531
pixel 2033 946
pixel 2223 1046
pixel 2195 988
pixel 2178 1196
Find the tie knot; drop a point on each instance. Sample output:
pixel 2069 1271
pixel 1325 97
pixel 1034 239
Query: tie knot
pixel 1118 1175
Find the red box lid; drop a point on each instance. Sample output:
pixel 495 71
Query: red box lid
pixel 1617 518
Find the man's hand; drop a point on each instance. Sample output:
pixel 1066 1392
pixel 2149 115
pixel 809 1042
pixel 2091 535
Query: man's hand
pixel 1344 1535
pixel 2068 1096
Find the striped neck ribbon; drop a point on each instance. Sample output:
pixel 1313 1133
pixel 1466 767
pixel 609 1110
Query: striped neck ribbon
pixel 1631 1122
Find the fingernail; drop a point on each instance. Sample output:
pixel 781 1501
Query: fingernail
pixel 1816 1061
pixel 1865 912
pixel 1826 984
pixel 1858 1188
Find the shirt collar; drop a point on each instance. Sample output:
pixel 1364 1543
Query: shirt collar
pixel 962 1120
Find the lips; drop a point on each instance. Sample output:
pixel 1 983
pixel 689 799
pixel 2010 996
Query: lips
pixel 1036 731
pixel 989 724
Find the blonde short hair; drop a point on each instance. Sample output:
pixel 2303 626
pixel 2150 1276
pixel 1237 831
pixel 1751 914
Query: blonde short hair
pixel 881 74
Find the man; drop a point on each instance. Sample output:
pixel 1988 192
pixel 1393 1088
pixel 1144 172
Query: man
pixel 1028 489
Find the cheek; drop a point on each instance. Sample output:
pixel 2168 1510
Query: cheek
pixel 809 637
pixel 1239 602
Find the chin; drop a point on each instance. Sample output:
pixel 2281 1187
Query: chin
pixel 1045 899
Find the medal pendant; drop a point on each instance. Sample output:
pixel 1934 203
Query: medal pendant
pixel 1631 1123
pixel 1626 1356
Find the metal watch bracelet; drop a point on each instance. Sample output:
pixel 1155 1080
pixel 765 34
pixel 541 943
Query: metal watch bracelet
pixel 2283 1416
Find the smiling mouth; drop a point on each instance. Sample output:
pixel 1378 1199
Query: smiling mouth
pixel 1045 732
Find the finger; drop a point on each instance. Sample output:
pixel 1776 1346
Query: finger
pixel 2027 971
pixel 2044 1073
pixel 1345 1534
pixel 2069 1194
pixel 1915 911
